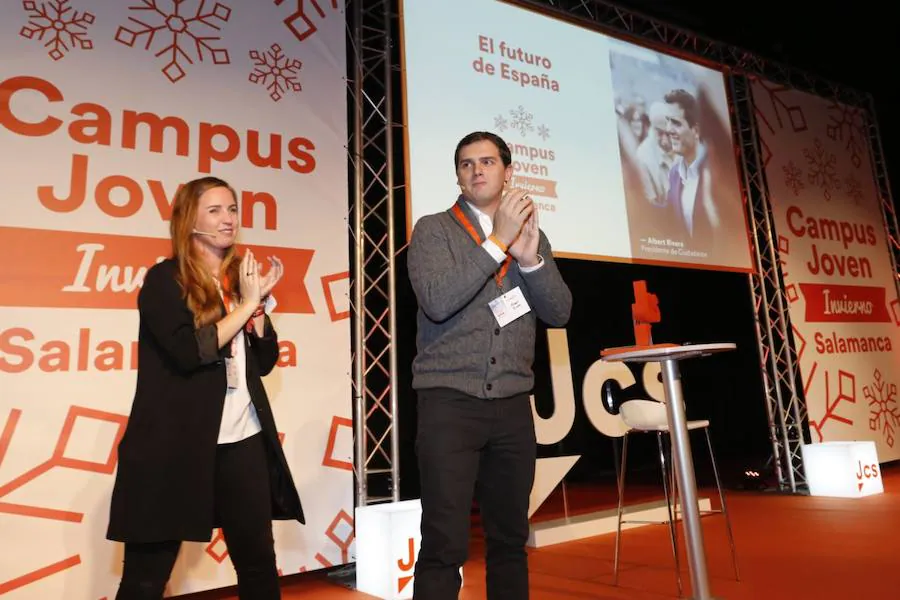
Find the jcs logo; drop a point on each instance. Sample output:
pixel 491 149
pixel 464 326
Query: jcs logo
pixel 551 430
pixel 406 566
pixel 865 472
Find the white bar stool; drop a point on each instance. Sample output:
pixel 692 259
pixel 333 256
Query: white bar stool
pixel 648 416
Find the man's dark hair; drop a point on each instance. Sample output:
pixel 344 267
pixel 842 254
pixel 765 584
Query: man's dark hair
pixel 480 136
pixel 687 102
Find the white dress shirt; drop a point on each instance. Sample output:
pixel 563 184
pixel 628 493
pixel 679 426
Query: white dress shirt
pixel 239 419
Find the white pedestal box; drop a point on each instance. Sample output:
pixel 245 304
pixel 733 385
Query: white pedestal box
pixel 387 544
pixel 842 469
pixel 388 539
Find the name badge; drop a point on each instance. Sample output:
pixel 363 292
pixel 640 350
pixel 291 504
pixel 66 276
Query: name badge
pixel 231 373
pixel 509 307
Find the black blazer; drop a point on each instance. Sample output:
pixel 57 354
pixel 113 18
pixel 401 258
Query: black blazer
pixel 164 484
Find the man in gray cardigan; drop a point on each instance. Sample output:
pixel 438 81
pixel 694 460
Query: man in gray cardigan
pixel 483 273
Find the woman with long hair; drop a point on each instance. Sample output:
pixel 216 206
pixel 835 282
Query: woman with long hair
pixel 201 449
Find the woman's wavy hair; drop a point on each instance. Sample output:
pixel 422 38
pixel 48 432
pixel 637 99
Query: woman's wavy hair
pixel 197 284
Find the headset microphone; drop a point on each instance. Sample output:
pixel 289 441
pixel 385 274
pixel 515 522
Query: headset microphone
pixel 198 232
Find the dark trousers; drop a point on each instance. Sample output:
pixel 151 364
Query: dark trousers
pixel 243 509
pixel 469 446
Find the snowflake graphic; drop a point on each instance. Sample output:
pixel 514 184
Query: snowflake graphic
pixel 217 548
pixel 64 30
pixel 308 27
pixel 275 71
pixel 543 132
pixel 782 114
pixel 521 120
pixel 766 153
pixel 882 397
pixel 821 168
pixel 793 177
pixel 846 393
pixel 853 189
pixel 200 28
pixel 847 123
pixel 500 123
pixel 784 249
pixel 792 113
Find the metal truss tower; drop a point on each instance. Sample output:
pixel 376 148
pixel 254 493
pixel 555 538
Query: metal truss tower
pixel 371 67
pixel 778 360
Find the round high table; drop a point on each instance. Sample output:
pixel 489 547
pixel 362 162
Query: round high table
pixel 668 357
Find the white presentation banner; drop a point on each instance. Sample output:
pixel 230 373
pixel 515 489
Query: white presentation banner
pixel 105 108
pixel 836 264
pixel 627 151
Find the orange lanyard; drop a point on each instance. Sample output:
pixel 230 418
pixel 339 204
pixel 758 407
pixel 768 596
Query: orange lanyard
pixel 226 300
pixel 499 275
pixel 226 293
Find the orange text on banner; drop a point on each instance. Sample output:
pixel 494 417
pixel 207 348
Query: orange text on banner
pixel 827 303
pixel 68 269
pixel 212 142
pixel 533 185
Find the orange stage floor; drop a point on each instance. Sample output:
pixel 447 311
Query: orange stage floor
pixel 789 547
